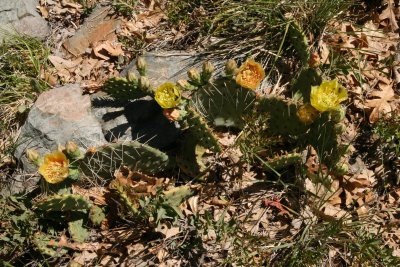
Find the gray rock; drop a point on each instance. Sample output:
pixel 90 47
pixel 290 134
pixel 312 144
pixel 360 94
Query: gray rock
pixel 167 66
pixel 59 115
pixel 21 16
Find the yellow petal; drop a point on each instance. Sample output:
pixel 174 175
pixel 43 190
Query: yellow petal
pixel 55 167
pixel 327 96
pixel 168 95
pixel 250 74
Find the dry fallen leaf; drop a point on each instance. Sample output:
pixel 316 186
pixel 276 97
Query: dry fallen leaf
pixel 382 104
pixel 112 48
pixel 389 14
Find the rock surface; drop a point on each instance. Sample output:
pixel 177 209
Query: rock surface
pixel 167 66
pixel 59 115
pixel 21 16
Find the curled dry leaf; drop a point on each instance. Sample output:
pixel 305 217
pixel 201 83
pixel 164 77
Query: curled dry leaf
pixel 389 15
pixel 112 48
pixel 384 102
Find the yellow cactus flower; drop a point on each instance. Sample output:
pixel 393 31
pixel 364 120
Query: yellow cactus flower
pixel 250 74
pixel 328 95
pixel 168 95
pixel 54 168
pixel 307 114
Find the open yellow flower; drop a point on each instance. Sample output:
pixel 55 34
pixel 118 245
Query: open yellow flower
pixel 328 95
pixel 250 74
pixel 307 114
pixel 54 168
pixel 168 95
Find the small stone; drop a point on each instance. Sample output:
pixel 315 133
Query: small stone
pixel 21 16
pixel 59 115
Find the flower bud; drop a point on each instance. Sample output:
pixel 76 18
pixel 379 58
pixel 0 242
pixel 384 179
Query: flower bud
pixel 184 84
pixel 171 114
pixel 144 83
pixel 338 114
pixel 131 76
pixel 231 67
pixel 141 66
pixel 32 155
pixel 307 114
pixel 72 150
pixel 314 60
pixel 194 76
pixel 208 69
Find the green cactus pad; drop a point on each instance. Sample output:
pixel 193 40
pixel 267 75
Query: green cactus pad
pixel 42 243
pixel 96 215
pixel 283 161
pixel 302 86
pixel 121 88
pixel 77 231
pixel 134 155
pixel 299 41
pixel 68 202
pixel 223 103
pixel 190 158
pixel 283 119
pixel 200 131
pixel 324 137
pixel 177 195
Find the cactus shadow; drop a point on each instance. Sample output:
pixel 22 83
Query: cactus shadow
pixel 140 120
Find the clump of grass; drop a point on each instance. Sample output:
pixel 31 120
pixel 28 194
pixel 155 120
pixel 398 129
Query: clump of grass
pixel 22 62
pixel 257 27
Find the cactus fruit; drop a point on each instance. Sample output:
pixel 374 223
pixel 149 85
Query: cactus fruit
pixel 134 155
pixel 77 231
pixel 96 215
pixel 68 202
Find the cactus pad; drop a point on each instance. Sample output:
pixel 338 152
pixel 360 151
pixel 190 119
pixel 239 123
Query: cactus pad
pixel 224 103
pixel 121 88
pixel 68 202
pixel 134 155
pixel 77 231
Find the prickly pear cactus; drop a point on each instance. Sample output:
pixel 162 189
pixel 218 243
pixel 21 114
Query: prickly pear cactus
pixel 134 155
pixel 323 134
pixel 43 243
pixel 283 119
pixel 223 103
pixel 122 88
pixel 96 215
pixel 68 202
pixel 301 87
pixel 200 131
pixel 77 231
pixel 283 161
pixel 299 41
